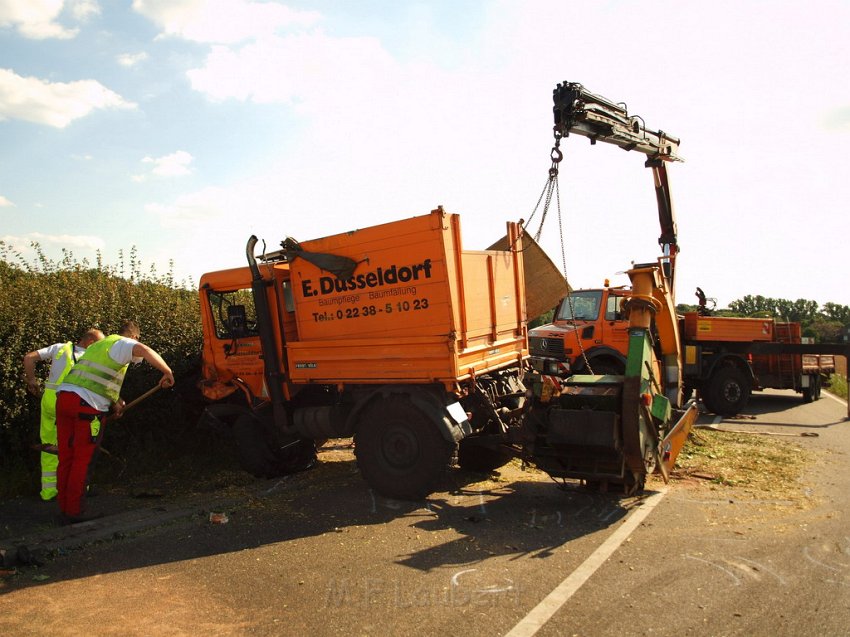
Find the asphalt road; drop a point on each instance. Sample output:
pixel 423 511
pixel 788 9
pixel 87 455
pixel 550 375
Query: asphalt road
pixel 318 553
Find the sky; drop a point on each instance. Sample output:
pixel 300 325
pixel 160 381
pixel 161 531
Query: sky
pixel 182 127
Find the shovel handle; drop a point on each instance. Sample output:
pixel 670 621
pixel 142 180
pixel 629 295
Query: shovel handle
pixel 136 401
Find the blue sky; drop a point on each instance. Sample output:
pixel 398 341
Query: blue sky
pixel 182 127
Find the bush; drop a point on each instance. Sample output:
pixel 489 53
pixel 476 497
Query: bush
pixel 838 385
pixel 44 302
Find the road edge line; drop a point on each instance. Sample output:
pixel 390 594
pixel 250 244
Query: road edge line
pixel 540 614
pixel 835 398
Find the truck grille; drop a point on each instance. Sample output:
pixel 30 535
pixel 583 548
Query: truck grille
pixel 552 347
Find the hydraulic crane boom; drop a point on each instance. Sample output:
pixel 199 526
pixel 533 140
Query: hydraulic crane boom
pixel 577 110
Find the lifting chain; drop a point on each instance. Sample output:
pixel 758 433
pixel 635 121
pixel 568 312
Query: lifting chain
pixel 551 189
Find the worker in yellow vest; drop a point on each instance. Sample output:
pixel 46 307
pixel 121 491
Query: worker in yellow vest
pixel 90 391
pixel 62 357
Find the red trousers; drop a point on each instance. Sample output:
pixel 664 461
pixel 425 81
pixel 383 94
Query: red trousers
pixel 76 448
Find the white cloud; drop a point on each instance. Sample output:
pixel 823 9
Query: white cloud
pixel 303 69
pixel 174 165
pixel 84 9
pixel 5 203
pixel 36 19
pixel 71 241
pixel 838 119
pixel 55 104
pixel 192 210
pixel 222 21
pixel 131 59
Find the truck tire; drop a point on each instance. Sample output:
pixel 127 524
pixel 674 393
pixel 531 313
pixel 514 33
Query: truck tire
pixel 812 392
pixel 605 366
pixel 401 453
pixel 728 391
pixel 261 459
pixel 474 457
pixel 705 397
pixel 253 451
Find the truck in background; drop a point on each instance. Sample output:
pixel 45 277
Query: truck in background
pixel 725 358
pixel 724 362
pixel 588 334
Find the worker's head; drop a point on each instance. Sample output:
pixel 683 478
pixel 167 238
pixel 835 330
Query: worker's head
pixel 90 336
pixel 130 329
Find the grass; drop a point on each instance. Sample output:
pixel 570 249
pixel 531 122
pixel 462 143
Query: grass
pixel 838 386
pixel 757 465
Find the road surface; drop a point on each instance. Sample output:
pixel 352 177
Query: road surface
pixel 319 553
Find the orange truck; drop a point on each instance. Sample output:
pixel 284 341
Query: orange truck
pixel 393 334
pixel 418 348
pixel 724 358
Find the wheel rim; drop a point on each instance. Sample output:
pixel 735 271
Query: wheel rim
pixel 732 392
pixel 399 448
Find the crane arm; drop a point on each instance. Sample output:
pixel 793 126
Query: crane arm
pixel 577 110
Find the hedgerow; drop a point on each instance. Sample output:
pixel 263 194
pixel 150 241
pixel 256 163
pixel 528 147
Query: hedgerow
pixel 43 301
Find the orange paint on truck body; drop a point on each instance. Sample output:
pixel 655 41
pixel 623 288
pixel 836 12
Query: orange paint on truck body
pixel 417 308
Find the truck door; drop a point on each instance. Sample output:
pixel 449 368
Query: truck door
pixel 614 328
pixel 231 339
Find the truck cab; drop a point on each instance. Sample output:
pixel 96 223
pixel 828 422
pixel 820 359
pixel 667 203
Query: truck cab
pixel 588 334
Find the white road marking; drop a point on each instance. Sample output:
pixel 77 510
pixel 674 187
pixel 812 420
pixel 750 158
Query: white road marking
pixel 543 612
pixel 835 398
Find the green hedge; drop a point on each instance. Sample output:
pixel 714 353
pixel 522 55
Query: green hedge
pixel 44 302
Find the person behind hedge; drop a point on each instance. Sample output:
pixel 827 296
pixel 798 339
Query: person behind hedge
pixel 62 357
pixel 90 391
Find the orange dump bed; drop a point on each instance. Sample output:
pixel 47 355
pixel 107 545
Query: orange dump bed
pixel 722 328
pixel 416 308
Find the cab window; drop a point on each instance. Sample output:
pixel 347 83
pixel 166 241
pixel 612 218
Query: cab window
pixel 234 314
pixel 613 310
pixel 581 306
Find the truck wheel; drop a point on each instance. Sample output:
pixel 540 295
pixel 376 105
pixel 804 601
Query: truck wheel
pixel 253 451
pixel 400 452
pixel 812 392
pixel 474 457
pixel 261 459
pixel 705 397
pixel 605 366
pixel 728 392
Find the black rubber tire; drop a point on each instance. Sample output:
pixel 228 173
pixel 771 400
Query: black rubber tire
pixel 812 392
pixel 728 391
pixel 705 397
pixel 604 366
pixel 252 449
pixel 481 459
pixel 262 459
pixel 400 451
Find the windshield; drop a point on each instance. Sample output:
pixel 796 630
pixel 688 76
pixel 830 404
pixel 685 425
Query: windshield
pixel 580 306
